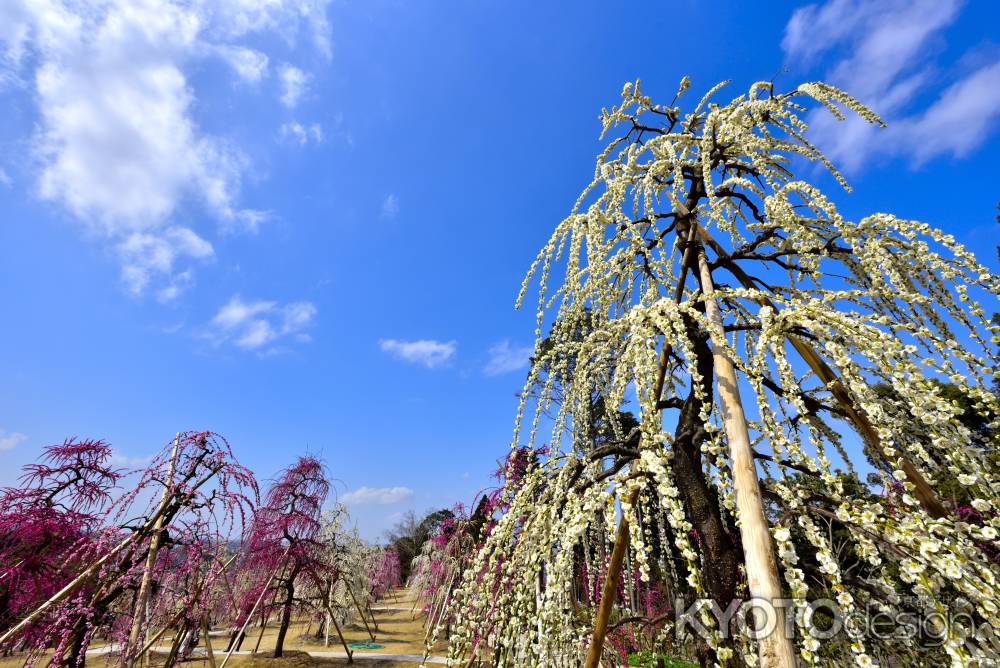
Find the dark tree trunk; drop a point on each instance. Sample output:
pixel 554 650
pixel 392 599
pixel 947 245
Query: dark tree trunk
pixel 286 614
pixel 236 637
pixel 722 552
pixel 76 658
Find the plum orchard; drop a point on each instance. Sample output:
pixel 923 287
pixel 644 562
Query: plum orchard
pixel 302 561
pixel 384 571
pixel 753 324
pixel 86 558
pixel 94 559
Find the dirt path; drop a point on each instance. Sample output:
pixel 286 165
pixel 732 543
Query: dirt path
pixel 400 635
pixel 400 632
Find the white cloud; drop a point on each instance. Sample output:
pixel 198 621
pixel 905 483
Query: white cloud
pixel 959 120
pixel 390 207
pixel 116 141
pixel 382 496
pixel 148 255
pixel 10 439
pixel 293 85
pixel 503 358
pixel 882 52
pixel 428 353
pixel 5 178
pixel 250 65
pixel 302 134
pixel 236 18
pixel 129 461
pixel 255 325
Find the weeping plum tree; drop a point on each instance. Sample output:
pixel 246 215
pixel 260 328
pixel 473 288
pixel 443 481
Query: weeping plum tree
pixel 343 588
pixel 282 544
pixel 752 324
pixel 49 518
pixel 384 572
pixel 197 495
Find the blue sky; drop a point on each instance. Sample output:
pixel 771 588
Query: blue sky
pixel 303 223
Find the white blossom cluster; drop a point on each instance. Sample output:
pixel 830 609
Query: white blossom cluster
pixel 893 309
pixel 343 588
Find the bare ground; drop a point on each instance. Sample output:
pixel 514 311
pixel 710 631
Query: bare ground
pixel 400 632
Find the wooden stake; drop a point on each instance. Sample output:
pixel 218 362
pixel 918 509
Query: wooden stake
pixel 776 650
pixel 205 629
pixel 263 627
pixel 350 654
pixel 360 611
pixel 622 535
pixel 608 594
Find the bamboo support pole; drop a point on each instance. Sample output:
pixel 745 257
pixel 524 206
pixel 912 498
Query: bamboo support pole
pixel 180 613
pixel 326 630
pixel 139 619
pixel 437 612
pixel 11 569
pixel 175 645
pixel 776 650
pixel 144 657
pixel 63 593
pixel 925 494
pixel 413 610
pixel 260 598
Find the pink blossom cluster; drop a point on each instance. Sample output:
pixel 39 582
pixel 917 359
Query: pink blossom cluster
pixel 72 524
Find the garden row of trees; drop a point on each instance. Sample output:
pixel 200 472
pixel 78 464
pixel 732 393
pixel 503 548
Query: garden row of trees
pixel 154 559
pixel 747 397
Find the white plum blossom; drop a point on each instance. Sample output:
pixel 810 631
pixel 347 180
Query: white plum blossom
pixel 832 324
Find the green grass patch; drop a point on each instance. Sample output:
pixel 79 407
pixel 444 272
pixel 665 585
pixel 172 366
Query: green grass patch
pixel 648 660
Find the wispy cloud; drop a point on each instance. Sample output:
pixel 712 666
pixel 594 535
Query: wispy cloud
pixel 882 53
pixel 426 352
pixel 10 439
pixel 293 85
pixel 129 461
pixel 255 325
pixel 116 140
pixel 302 134
pixel 148 255
pixel 504 358
pixel 390 207
pixel 248 64
pixel 382 496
